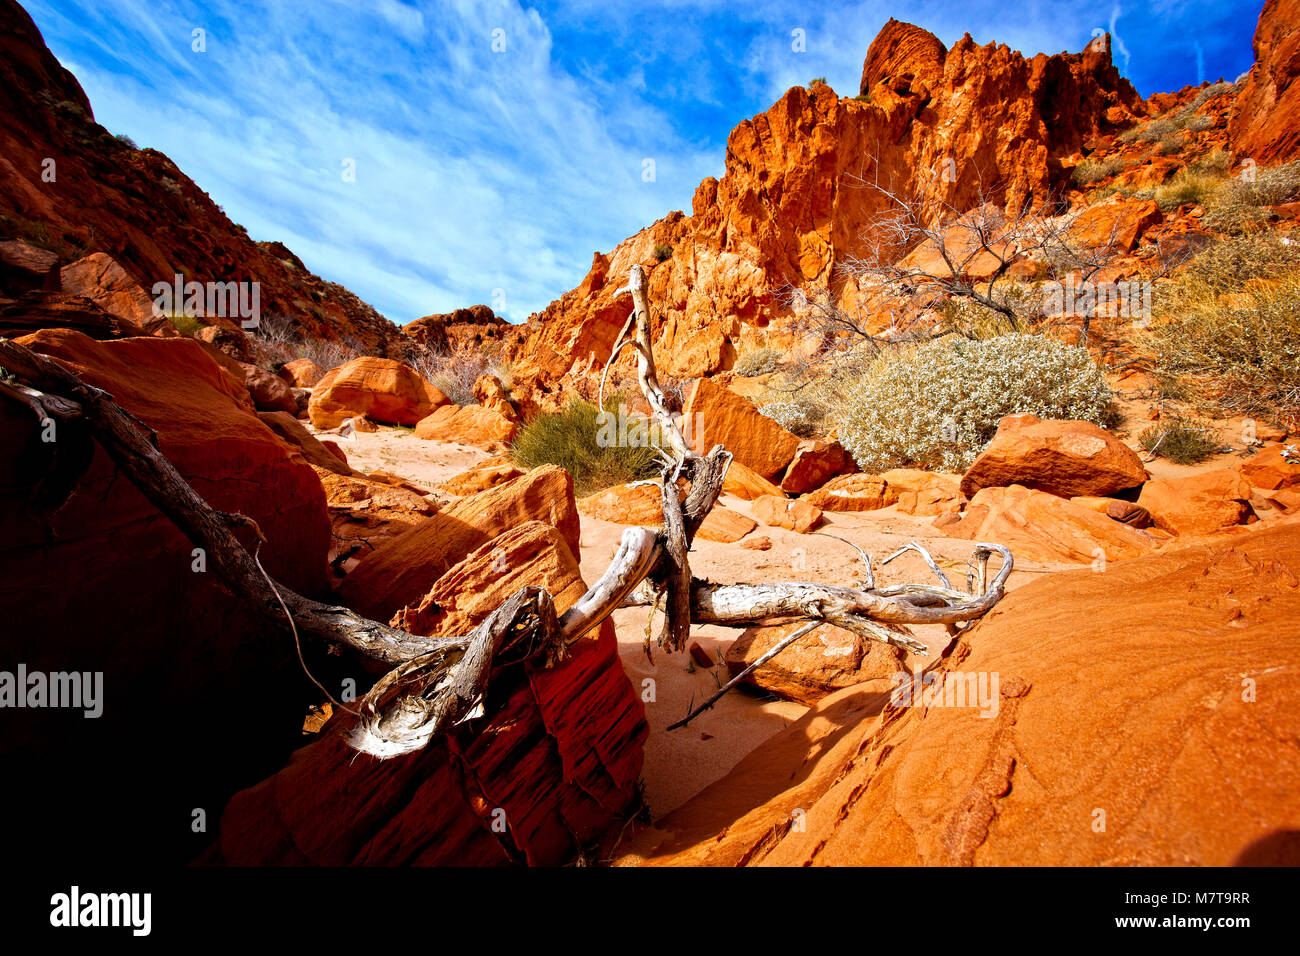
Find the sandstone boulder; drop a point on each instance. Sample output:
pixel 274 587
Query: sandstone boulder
pixel 383 390
pixel 819 663
pixel 794 515
pixel 917 492
pixel 108 583
pixel 1066 458
pixel 744 483
pixel 100 278
pixel 402 571
pixel 365 514
pixel 269 392
pixel 716 415
pixel 815 463
pixel 641 503
pixel 1115 225
pixel 1198 504
pixel 489 474
pixel 469 425
pixel 1273 468
pixel 326 455
pixel 1117 509
pixel 856 492
pixel 301 373
pixel 1039 526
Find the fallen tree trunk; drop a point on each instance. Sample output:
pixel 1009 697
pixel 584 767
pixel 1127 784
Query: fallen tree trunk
pixel 439 681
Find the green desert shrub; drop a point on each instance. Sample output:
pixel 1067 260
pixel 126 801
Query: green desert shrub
pixel 589 445
pixel 663 251
pixel 757 362
pixel 937 405
pixel 1180 440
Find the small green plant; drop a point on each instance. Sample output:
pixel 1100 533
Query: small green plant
pixel 663 251
pixel 590 445
pixel 1182 441
pixel 126 141
pixel 186 325
pixel 816 81
pixel 757 362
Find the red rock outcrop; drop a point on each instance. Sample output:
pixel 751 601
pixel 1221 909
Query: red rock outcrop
pixel 548 769
pixel 716 415
pixel 948 127
pixel 136 205
pixel 1198 504
pixel 1265 122
pixel 107 583
pixel 469 425
pixel 1042 527
pixel 1080 755
pixel 472 328
pixel 796 515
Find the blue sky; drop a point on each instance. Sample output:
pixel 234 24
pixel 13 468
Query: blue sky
pixel 491 176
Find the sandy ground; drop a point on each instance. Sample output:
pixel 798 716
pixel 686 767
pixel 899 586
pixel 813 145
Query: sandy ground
pixel 398 452
pixel 680 763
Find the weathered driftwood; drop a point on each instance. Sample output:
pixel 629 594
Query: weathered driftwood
pixel 439 681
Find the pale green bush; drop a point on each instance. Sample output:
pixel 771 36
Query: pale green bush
pixel 937 405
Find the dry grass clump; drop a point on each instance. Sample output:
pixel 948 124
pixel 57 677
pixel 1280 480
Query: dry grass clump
pixel 1091 171
pixel 454 373
pixel 757 362
pixel 1237 207
pixel 1233 334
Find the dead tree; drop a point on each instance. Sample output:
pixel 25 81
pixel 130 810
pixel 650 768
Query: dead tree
pixel 973 251
pixel 435 682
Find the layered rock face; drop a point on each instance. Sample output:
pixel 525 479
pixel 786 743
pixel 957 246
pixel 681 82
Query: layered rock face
pixel 136 205
pixel 939 125
pixel 547 770
pixel 107 584
pixel 1129 740
pixel 1265 122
